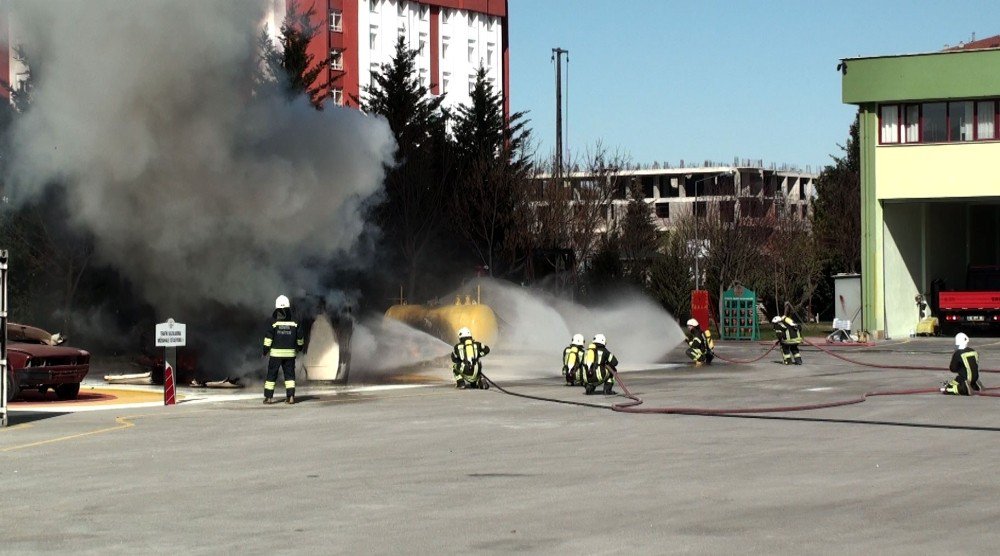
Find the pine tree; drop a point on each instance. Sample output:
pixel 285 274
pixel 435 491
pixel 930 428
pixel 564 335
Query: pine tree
pixel 291 67
pixel 481 131
pixel 418 185
pixel 837 209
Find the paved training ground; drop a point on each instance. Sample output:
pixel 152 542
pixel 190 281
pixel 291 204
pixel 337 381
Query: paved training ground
pixel 436 470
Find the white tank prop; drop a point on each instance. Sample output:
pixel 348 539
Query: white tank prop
pixel 323 359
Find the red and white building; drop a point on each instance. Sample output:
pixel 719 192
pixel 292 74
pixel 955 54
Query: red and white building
pixel 453 37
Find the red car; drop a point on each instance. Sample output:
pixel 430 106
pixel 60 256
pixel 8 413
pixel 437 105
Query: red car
pixel 37 360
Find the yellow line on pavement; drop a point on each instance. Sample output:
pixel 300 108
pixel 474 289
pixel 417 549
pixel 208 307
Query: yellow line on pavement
pixel 123 423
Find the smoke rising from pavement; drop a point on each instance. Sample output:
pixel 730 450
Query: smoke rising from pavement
pixel 194 189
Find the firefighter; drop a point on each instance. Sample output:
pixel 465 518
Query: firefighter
pixel 572 358
pixel 466 364
pixel 789 334
pixel 965 365
pixel 700 344
pixel 282 342
pixel 598 363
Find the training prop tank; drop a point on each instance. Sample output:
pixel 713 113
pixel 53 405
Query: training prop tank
pixel 443 321
pixel 323 360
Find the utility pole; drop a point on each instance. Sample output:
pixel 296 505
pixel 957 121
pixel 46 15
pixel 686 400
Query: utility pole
pixel 557 55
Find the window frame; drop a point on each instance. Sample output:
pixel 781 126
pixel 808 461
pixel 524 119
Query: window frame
pixel 337 59
pixel 336 20
pixel 901 110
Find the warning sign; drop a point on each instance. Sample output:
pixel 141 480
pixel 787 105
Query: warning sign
pixel 171 334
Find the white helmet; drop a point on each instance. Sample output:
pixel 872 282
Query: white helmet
pixel 692 322
pixel 282 302
pixel 776 319
pixel 961 340
pixel 463 333
pixel 577 340
pixel 600 339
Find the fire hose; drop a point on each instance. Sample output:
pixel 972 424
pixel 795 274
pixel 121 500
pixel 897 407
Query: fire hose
pixel 633 403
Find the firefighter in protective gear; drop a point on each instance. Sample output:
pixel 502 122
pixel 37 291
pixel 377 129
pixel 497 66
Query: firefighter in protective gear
pixel 282 342
pixel 598 363
pixel 789 334
pixel 466 364
pixel 573 360
pixel 700 344
pixel 965 365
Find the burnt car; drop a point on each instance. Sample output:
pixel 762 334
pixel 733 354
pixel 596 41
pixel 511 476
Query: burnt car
pixel 38 361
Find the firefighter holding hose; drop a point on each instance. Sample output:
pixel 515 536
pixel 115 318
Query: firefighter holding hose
pixel 282 342
pixel 466 361
pixel 789 335
pixel 965 365
pixel 700 344
pixel 598 362
pixel 572 359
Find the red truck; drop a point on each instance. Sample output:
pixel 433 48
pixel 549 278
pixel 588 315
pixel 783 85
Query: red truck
pixel 978 305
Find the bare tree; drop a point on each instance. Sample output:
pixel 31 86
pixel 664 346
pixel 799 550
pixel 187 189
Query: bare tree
pixel 794 265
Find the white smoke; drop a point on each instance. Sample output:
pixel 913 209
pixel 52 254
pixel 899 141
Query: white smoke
pixel 193 190
pixel 638 330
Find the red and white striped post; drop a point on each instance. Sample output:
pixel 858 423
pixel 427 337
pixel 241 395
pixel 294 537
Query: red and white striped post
pixel 171 335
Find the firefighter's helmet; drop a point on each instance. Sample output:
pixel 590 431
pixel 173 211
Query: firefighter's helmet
pixel 692 322
pixel 577 340
pixel 282 302
pixel 464 333
pixel 961 340
pixel 600 340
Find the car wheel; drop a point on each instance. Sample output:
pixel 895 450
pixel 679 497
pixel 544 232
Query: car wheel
pixel 12 389
pixel 67 391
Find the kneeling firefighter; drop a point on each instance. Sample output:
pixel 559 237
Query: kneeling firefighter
pixel 572 360
pixel 965 365
pixel 789 334
pixel 598 362
pixel 465 359
pixel 700 344
pixel 282 341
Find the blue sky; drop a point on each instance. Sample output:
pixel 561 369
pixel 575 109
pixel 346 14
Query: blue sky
pixel 696 80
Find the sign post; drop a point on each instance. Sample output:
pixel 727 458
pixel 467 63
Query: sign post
pixel 4 371
pixel 170 335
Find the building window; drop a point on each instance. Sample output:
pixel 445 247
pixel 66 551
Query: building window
pixel 960 118
pixel 472 83
pixel 445 80
pixel 890 124
pixel 402 32
pixel 489 53
pixel 423 77
pixel 372 37
pixel 935 122
pixel 662 210
pixel 472 19
pixel 372 72
pixel 423 13
pixel 337 95
pixel 422 44
pixel 491 23
pixel 336 20
pixel 400 8
pixel 373 7
pixel 445 42
pixel 472 50
pixel 986 120
pixel 445 15
pixel 336 59
pixel 911 123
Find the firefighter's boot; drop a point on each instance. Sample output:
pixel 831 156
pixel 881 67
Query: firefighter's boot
pixel 609 388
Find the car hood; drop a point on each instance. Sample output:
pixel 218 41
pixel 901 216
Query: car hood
pixel 40 350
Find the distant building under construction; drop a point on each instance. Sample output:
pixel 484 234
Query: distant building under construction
pixel 743 190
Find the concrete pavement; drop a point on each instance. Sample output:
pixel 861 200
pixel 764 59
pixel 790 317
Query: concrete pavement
pixel 431 469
